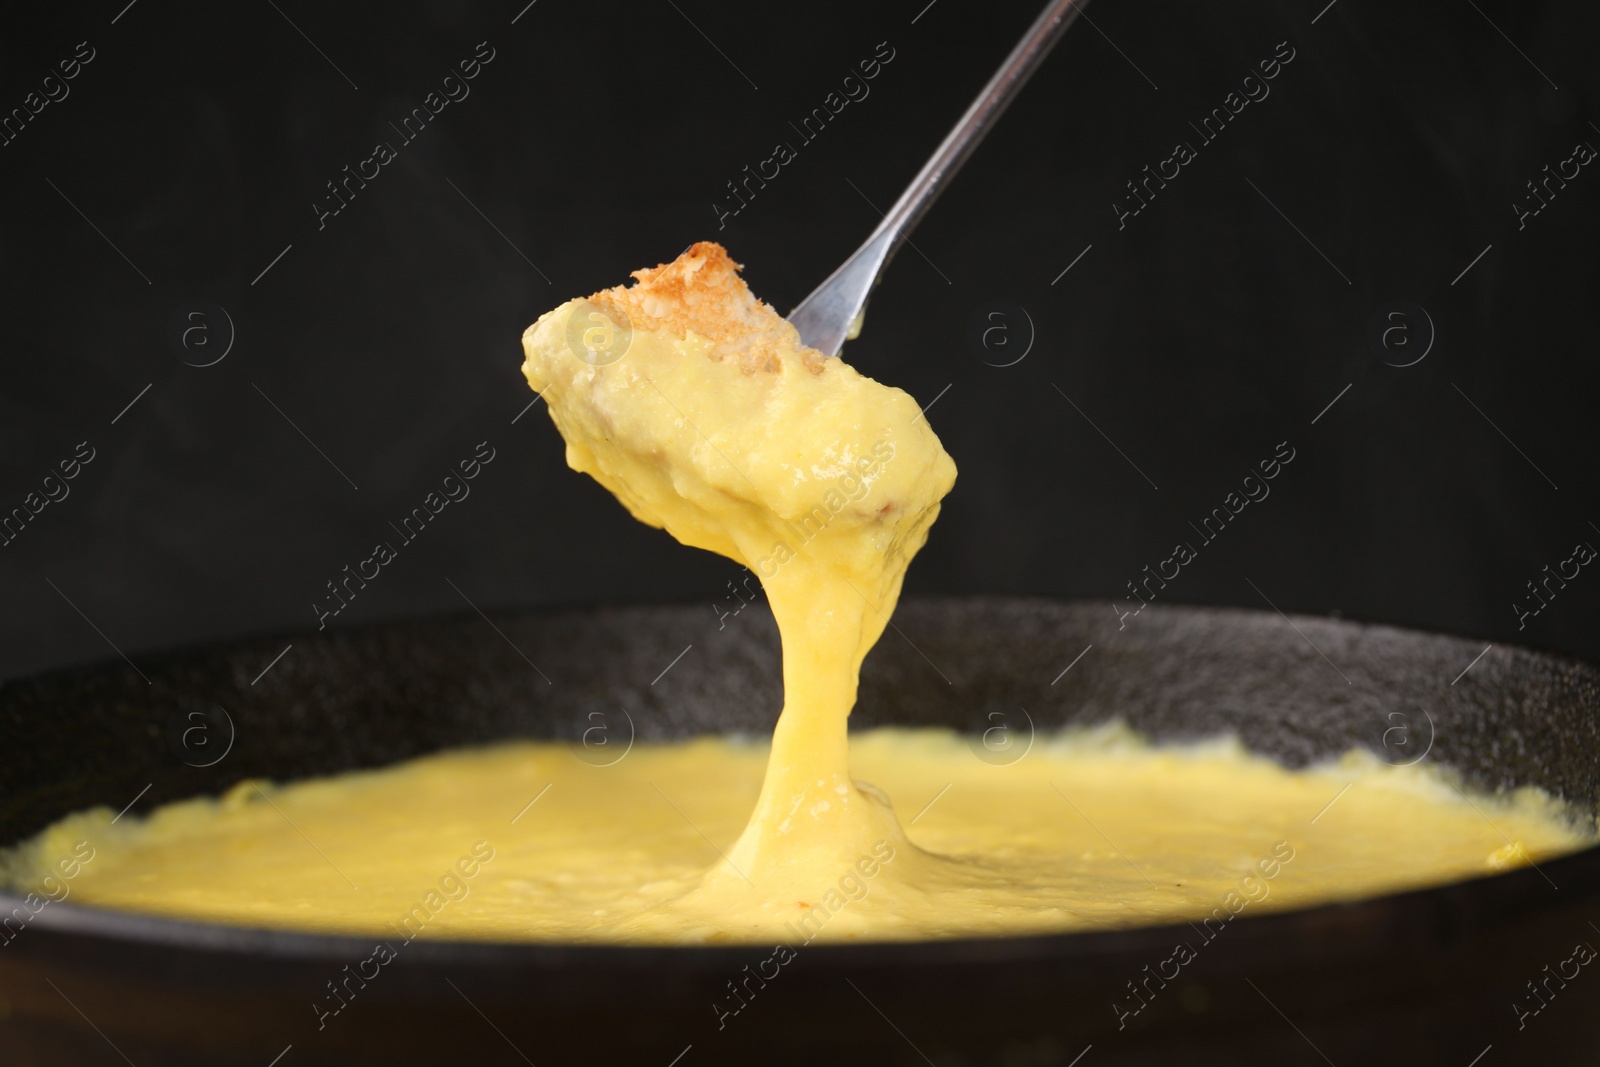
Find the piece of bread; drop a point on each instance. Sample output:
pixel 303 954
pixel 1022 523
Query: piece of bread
pixel 701 291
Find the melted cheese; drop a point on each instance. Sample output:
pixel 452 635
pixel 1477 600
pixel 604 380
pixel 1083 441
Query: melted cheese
pixel 716 425
pixel 1087 831
pixel 698 408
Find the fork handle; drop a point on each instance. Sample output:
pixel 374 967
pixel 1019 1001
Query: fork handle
pixel 980 117
pixel 832 314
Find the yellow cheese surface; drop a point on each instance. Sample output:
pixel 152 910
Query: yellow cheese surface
pixel 1087 830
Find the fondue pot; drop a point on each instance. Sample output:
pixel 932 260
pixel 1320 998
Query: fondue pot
pixel 1438 975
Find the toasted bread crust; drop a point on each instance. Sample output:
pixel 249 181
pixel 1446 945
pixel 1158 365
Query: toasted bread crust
pixel 701 292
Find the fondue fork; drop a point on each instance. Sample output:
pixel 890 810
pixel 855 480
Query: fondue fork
pixel 832 314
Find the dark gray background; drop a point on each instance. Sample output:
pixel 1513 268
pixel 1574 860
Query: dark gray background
pixel 1208 330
